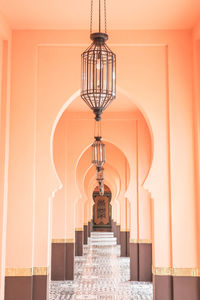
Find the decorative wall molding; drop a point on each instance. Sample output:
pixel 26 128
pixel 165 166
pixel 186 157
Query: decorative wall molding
pixel 141 241
pixel 36 271
pixel 61 241
pixel 188 272
pixel 79 229
pixel 11 272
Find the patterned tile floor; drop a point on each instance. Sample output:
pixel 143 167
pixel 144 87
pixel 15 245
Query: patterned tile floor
pixel 100 274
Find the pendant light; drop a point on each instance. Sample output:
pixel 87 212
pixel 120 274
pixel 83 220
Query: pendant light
pixel 98 148
pixel 99 174
pixel 98 64
pixel 101 189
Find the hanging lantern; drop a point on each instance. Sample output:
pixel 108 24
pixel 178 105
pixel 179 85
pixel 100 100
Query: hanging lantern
pixel 100 174
pixel 101 189
pixel 98 152
pixel 98 64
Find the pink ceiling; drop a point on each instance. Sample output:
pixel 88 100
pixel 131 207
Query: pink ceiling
pixel 127 14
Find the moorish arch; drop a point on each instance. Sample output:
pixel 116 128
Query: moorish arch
pixel 72 138
pixel 114 156
pixel 77 104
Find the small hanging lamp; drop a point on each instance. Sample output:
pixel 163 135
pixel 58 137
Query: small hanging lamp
pixel 98 148
pixel 98 152
pixel 98 65
pixel 101 189
pixel 100 174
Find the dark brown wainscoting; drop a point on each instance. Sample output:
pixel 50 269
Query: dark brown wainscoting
pixel 62 261
pixel 58 261
pixel 69 261
pixel 176 287
pixel 186 288
pixel 163 287
pixel 145 262
pixel 134 262
pixel 78 243
pixel 123 243
pixel 113 227
pixel 18 288
pixel 140 261
pixel 128 243
pixel 40 287
pixel 118 234
pixel 89 228
pixel 85 234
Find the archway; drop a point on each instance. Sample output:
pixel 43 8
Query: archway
pixel 72 139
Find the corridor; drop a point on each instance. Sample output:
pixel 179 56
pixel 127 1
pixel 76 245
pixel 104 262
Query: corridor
pixel 101 274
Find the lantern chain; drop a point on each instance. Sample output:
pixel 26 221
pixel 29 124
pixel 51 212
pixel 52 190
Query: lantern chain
pixel 99 15
pixel 105 16
pixel 91 17
pixel 97 128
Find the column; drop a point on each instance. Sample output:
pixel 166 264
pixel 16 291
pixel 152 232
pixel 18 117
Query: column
pixel 79 233
pixel 19 240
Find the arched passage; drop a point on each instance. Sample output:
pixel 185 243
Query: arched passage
pixel 129 157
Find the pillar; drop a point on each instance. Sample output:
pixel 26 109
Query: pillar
pixel 79 233
pixel 179 279
pixel 85 227
pixel 21 190
pixel 140 211
pixel 63 232
pixel 4 145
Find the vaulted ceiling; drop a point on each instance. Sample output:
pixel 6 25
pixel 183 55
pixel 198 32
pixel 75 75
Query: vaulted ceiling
pixel 126 14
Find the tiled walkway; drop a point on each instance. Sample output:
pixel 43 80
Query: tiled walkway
pixel 101 274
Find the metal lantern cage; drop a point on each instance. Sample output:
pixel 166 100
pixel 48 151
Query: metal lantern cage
pixel 98 152
pixel 98 74
pixel 100 174
pixel 101 189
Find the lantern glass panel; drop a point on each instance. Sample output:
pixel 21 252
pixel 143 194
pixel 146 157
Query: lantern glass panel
pixel 98 153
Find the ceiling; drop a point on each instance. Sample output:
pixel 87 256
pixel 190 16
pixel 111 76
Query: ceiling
pixel 126 14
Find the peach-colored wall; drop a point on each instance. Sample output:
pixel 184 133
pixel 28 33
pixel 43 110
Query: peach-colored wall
pixel 21 161
pixel 196 73
pixel 155 71
pixel 5 57
pixel 59 206
pixel 182 170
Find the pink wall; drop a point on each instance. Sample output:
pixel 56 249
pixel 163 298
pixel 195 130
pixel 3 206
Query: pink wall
pixel 196 72
pixel 155 72
pixel 5 48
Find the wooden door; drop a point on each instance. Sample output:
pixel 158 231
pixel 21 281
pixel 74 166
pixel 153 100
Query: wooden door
pixel 101 211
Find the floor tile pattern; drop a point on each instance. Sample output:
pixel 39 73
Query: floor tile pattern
pixel 101 274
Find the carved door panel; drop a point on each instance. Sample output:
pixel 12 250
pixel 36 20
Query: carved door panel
pixel 101 210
